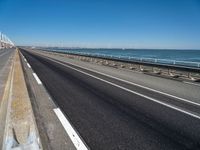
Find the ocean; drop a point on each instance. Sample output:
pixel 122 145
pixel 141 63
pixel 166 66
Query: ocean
pixel 169 56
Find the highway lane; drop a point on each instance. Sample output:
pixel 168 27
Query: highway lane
pixel 4 56
pixel 167 86
pixel 185 104
pixel 106 116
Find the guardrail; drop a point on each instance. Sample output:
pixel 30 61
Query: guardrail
pixel 151 66
pixel 174 63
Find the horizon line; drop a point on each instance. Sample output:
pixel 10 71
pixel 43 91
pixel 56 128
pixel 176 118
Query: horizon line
pixel 75 47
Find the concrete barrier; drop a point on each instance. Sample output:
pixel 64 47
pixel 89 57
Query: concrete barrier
pixel 20 128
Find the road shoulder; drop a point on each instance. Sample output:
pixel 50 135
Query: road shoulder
pixel 50 129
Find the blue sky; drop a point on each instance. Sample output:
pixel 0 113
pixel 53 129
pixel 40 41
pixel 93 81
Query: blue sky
pixel 103 23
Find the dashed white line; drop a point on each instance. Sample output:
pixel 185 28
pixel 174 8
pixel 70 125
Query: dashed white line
pixel 78 143
pixel 28 65
pixel 25 60
pixel 36 78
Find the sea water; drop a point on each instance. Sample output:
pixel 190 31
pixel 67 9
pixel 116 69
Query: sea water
pixel 178 55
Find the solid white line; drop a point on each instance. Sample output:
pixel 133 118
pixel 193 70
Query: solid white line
pixel 191 83
pixel 128 90
pixel 78 143
pixel 36 78
pixel 28 65
pixel 144 87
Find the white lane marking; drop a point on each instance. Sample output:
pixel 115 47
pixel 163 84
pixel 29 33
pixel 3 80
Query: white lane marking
pixel 191 83
pixel 144 87
pixel 36 78
pixel 78 143
pixel 28 65
pixel 136 93
pixel 25 60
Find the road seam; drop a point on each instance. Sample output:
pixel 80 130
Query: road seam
pixel 78 143
pixel 37 78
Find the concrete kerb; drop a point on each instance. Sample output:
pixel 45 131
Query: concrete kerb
pixel 20 130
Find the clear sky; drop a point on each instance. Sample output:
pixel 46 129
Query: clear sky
pixel 103 23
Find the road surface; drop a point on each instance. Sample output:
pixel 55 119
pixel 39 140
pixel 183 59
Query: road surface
pixel 112 114
pixel 5 63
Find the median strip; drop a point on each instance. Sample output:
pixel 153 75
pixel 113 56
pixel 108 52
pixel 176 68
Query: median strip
pixel 20 129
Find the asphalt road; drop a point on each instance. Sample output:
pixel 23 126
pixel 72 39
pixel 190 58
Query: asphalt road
pixel 4 57
pixel 110 114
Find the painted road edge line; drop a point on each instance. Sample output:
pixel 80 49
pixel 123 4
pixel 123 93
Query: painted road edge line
pixel 37 78
pixel 191 83
pixel 132 83
pixel 128 90
pixel 28 65
pixel 141 86
pixel 139 94
pixel 78 143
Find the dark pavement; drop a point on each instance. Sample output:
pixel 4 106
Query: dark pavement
pixel 108 117
pixel 4 57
